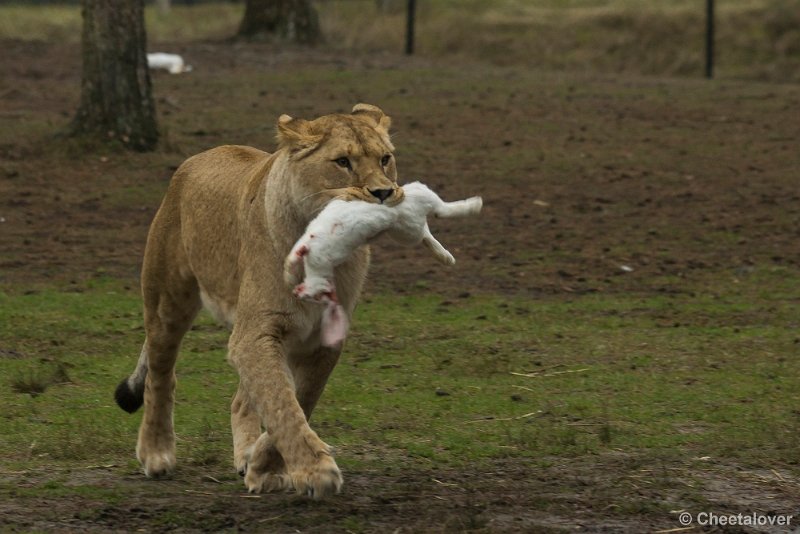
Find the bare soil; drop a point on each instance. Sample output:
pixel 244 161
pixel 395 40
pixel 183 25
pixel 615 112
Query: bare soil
pixel 591 183
pixel 610 493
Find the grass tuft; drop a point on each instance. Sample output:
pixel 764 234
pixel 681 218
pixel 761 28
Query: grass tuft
pixel 35 382
pixel 30 383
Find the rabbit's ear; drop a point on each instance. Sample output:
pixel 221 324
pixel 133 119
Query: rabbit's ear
pixel 334 325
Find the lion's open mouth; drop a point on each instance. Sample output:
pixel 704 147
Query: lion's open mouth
pixel 363 194
pixel 392 200
pixel 396 198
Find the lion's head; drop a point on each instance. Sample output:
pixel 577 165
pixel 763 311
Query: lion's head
pixel 340 156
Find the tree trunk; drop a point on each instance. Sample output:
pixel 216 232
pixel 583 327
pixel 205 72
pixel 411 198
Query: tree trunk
pixel 291 20
pixel 116 98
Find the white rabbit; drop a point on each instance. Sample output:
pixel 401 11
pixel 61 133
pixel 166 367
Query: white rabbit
pixel 343 226
pixel 169 62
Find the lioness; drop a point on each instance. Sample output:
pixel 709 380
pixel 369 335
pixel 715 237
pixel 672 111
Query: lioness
pixel 229 218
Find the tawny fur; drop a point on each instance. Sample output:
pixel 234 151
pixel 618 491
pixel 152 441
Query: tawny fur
pixel 343 226
pixel 229 218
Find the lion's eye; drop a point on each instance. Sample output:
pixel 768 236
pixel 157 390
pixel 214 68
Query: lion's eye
pixel 385 160
pixel 343 163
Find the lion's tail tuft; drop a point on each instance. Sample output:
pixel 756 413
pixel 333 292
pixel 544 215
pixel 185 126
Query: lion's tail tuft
pixel 130 392
pixel 129 399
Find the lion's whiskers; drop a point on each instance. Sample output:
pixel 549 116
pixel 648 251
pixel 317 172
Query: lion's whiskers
pixel 313 195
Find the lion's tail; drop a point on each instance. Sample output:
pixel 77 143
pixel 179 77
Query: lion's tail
pixel 130 392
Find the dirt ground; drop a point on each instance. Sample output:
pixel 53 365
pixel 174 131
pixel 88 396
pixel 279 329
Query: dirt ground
pixel 580 175
pixel 591 183
pixel 610 493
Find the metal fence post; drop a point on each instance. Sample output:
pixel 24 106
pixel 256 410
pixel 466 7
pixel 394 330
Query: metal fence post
pixel 709 38
pixel 412 5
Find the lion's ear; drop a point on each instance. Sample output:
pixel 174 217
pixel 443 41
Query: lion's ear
pixel 375 115
pixel 295 132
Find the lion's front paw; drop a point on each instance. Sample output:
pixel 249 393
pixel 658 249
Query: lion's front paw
pixel 241 459
pixel 265 482
pixel 264 468
pixel 318 480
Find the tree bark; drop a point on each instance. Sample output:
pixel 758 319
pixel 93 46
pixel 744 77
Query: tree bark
pixel 116 96
pixel 290 20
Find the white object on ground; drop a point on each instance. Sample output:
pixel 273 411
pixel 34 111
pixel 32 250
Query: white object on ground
pixel 170 62
pixel 343 226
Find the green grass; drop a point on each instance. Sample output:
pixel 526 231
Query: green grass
pixel 757 39
pixel 651 372
pixel 425 380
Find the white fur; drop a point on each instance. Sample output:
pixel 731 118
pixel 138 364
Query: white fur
pixel 343 226
pixel 169 62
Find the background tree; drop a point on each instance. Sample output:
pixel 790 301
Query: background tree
pixel 292 20
pixel 116 98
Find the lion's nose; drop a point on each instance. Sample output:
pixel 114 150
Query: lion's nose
pixel 381 194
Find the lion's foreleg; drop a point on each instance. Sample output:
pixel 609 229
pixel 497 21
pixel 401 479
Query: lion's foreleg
pixel 270 388
pixel 245 427
pixel 310 376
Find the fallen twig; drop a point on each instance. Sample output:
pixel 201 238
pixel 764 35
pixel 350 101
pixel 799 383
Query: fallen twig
pixel 778 475
pixel 198 492
pixel 273 518
pixel 492 418
pixel 444 483
pixel 538 374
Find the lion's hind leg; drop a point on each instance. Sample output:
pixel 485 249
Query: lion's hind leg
pixel 170 306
